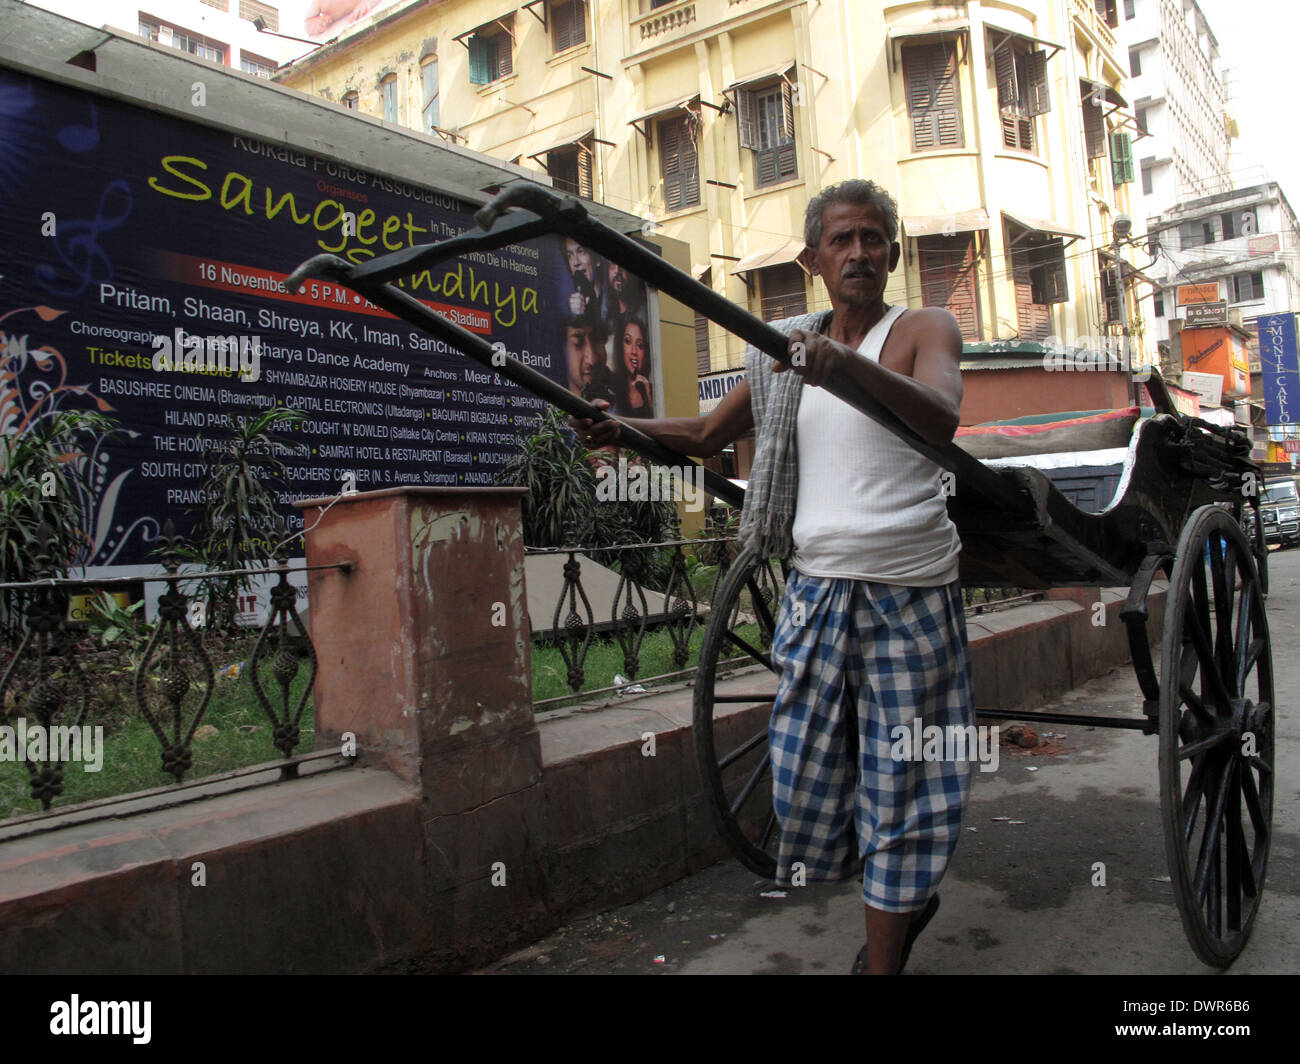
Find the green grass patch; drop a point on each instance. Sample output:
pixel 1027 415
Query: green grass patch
pixel 132 754
pixel 605 658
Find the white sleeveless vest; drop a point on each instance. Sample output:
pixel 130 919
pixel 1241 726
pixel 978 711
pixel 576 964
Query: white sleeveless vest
pixel 869 507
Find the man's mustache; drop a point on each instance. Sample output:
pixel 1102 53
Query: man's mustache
pixel 859 271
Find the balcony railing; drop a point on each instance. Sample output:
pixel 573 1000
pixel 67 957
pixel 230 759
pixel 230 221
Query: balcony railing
pixel 662 21
pixel 1086 12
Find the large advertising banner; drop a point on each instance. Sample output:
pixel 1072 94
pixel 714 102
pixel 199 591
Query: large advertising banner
pixel 1280 366
pixel 141 278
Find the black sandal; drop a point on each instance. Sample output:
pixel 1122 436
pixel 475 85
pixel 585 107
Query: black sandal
pixel 914 929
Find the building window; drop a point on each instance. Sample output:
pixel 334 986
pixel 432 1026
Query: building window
pixel 1248 287
pixel 1158 304
pixel 568 24
pixel 1238 223
pixel 256 65
pixel 701 343
pixel 679 162
pixel 388 95
pixel 195 43
pixel 1111 313
pixel 491 56
pixel 1094 125
pixel 782 292
pixel 766 117
pixel 1140 119
pixel 1121 158
pixel 351 101
pixel 1106 11
pixel 570 169
pixel 251 9
pixel 933 96
pixel 1135 61
pixel 429 84
pixel 1022 92
pixel 1038 275
pixel 1128 10
pixel 1196 234
pixel 1147 185
pixel 948 267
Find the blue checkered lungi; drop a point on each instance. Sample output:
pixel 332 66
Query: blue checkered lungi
pixel 867 658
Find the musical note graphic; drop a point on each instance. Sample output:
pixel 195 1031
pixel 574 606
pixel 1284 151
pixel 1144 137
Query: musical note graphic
pixel 17 129
pixel 78 138
pixel 77 247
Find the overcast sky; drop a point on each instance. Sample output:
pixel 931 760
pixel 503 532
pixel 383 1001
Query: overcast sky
pixel 1257 39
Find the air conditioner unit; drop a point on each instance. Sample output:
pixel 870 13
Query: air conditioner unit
pixel 1242 414
pixel 1234 317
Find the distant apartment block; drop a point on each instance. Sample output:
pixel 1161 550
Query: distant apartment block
pixel 221 31
pixel 1177 82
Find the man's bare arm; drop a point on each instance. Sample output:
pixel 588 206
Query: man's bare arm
pixel 698 437
pixel 928 402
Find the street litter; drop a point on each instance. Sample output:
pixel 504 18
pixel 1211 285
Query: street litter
pixel 626 687
pixel 774 894
pixel 1031 768
pixel 661 959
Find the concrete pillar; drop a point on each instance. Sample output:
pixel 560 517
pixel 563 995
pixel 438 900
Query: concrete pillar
pixel 424 656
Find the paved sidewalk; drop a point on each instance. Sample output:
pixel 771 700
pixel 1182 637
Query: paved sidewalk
pixel 1019 896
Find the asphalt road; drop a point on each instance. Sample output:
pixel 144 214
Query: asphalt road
pixel 1019 897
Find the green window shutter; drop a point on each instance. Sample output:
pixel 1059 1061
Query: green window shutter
pixel 1121 158
pixel 481 53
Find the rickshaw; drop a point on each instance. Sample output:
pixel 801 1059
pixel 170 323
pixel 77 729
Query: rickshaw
pixel 1176 516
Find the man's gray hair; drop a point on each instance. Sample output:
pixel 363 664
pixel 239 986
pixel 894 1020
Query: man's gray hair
pixel 856 191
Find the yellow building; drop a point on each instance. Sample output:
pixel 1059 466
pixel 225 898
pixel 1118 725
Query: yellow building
pixel 1001 129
